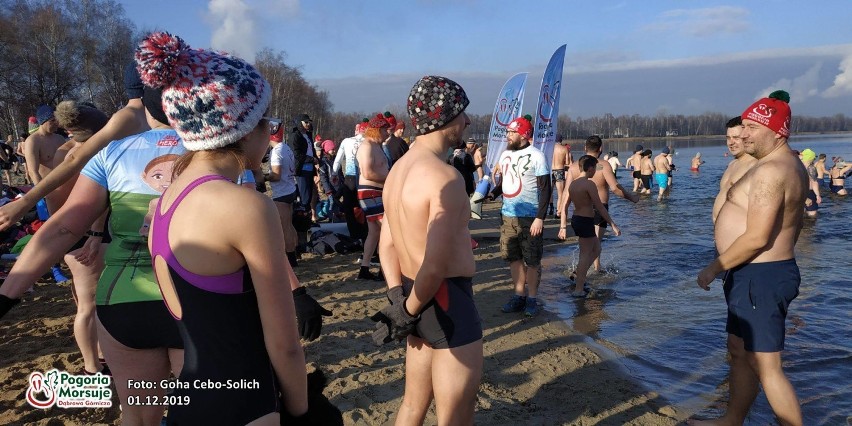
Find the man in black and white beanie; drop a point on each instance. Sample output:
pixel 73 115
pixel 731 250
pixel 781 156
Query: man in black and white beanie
pixel 424 243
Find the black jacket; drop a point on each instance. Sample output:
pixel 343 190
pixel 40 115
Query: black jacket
pixel 299 146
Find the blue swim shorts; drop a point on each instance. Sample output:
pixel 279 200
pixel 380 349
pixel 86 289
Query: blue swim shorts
pixel 758 295
pixel 662 180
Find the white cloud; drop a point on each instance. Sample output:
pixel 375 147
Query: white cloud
pixel 234 23
pixel 820 51
pixel 233 28
pixel 842 82
pixel 702 22
pixel 799 88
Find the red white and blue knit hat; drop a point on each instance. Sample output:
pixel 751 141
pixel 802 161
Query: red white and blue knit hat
pixel 211 99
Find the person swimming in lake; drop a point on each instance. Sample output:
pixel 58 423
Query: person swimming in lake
pixel 696 162
pixel 839 172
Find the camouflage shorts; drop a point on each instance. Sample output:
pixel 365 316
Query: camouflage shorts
pixel 516 243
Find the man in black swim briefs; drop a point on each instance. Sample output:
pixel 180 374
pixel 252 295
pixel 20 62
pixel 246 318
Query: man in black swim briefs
pixel 756 232
pixel 428 263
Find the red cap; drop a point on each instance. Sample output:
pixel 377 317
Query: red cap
pixel 522 126
pixel 278 136
pixel 772 112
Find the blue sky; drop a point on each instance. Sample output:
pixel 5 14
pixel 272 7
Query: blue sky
pixel 623 57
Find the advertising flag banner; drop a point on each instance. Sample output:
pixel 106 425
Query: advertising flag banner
pixel 508 107
pixel 547 110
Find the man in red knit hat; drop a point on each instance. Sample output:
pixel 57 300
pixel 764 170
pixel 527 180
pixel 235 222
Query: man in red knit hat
pixel 756 232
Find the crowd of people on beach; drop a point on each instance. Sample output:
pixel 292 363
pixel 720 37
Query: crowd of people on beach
pixel 167 287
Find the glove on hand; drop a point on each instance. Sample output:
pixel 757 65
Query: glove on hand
pixel 395 295
pixel 393 323
pixel 309 313
pixel 321 412
pixel 6 304
pixel 382 334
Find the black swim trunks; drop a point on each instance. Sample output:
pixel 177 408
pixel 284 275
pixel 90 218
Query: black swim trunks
pixel 811 202
pixel 646 181
pixel 599 220
pixel 637 174
pixel 584 226
pixel 558 175
pixel 450 319
pixel 758 295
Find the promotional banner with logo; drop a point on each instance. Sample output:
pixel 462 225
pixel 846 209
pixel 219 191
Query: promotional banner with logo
pixel 508 107
pixel 547 111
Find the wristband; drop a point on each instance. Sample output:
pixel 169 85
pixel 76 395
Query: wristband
pixel 94 233
pixel 563 227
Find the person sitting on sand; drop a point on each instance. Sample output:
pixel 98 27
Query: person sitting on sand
pixel 587 204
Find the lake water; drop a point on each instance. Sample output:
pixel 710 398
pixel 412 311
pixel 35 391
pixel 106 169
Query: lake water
pixel 670 334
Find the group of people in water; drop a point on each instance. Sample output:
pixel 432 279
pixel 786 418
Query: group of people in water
pixel 183 290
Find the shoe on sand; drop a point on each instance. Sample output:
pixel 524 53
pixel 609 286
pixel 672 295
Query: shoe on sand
pixel 515 304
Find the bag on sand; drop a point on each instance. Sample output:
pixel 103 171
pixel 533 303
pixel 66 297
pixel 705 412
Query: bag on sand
pixel 327 242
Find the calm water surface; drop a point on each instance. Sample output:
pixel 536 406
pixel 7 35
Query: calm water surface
pixel 670 334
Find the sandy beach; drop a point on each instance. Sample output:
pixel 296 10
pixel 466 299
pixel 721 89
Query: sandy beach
pixel 537 371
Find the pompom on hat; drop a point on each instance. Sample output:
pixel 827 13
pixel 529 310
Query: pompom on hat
pixel 435 101
pixel 521 125
pixel 378 122
pixel 33 125
pixel 391 120
pixel 772 111
pixel 210 99
pixel 81 119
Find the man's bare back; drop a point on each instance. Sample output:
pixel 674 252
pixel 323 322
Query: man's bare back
pixel 661 164
pixel 780 178
pixel 599 179
pixel 560 157
pixel 646 166
pixel 420 188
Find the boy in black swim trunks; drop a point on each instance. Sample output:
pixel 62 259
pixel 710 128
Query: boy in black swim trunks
pixel 587 204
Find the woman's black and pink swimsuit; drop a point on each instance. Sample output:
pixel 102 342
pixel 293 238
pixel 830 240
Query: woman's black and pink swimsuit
pixel 226 366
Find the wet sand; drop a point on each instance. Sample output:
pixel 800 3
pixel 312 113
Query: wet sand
pixel 537 371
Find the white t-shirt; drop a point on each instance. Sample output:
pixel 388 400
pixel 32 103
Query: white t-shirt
pixel 345 158
pixel 281 155
pixel 521 170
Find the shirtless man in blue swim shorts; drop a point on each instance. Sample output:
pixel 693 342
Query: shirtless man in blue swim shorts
pixel 429 265
pixel 756 232
pixel 662 167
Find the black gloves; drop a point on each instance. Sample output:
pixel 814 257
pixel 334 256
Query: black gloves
pixel 395 295
pixel 321 412
pixel 6 304
pixel 309 313
pixel 393 322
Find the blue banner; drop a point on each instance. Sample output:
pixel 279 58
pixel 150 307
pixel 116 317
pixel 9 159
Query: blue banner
pixel 547 111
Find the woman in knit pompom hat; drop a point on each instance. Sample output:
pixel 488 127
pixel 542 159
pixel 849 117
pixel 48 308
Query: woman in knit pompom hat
pixel 228 285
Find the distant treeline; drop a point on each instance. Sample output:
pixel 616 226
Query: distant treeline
pixel 53 50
